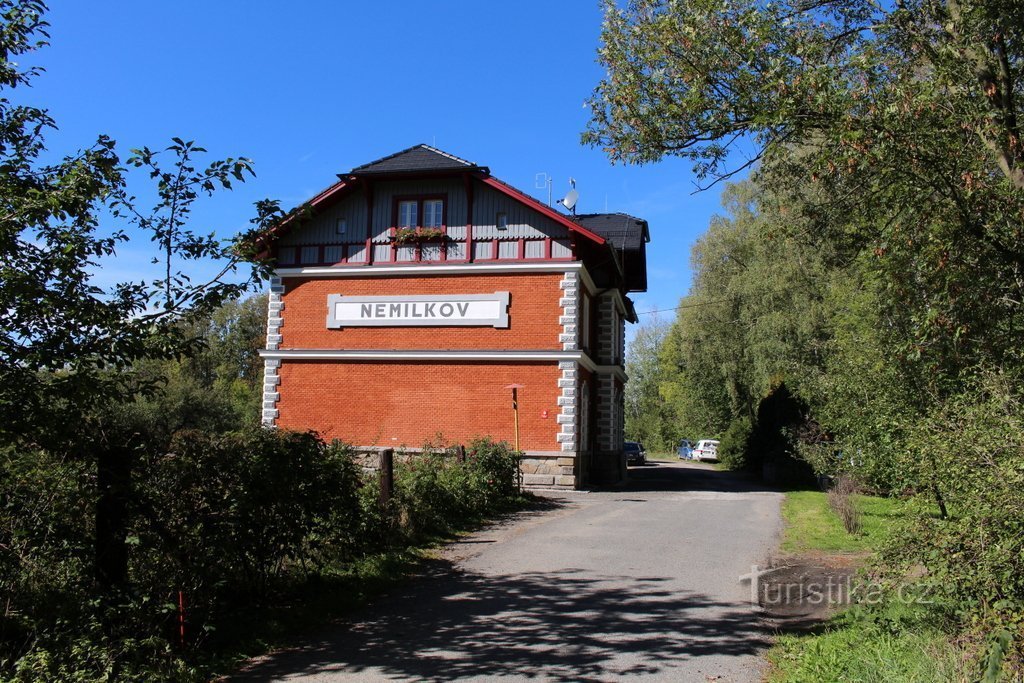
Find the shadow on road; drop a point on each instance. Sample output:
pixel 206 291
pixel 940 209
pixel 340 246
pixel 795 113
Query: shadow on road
pixel 690 476
pixel 564 626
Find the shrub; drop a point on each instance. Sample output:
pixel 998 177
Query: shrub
pixel 235 509
pixel 969 452
pixel 436 493
pixel 494 472
pixel 233 520
pixel 841 500
pixel 734 447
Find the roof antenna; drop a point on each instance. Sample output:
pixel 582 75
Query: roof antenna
pixel 543 180
pixel 570 199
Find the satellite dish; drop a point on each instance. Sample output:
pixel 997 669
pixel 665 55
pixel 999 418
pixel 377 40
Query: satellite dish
pixel 570 200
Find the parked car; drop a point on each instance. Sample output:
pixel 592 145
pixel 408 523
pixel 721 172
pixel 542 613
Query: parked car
pixel 635 453
pixel 685 449
pixel 707 449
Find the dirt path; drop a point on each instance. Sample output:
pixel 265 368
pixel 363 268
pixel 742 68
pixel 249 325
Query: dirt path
pixel 641 582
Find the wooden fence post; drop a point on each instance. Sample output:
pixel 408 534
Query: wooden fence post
pixel 387 475
pixel 462 454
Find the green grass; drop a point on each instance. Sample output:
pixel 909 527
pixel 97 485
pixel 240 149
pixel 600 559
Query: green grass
pixel 811 525
pixel 663 456
pixel 893 643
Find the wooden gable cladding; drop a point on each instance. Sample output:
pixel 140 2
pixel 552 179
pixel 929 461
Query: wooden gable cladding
pixel 359 227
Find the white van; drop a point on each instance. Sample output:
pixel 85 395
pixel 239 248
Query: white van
pixel 707 449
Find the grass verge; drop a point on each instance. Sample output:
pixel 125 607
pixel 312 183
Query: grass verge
pixel 892 641
pixel 811 525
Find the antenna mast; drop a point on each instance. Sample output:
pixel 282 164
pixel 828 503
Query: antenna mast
pixel 542 180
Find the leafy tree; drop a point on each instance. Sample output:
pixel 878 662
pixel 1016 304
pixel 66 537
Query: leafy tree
pixel 67 346
pixel 648 418
pixel 892 127
pixel 755 316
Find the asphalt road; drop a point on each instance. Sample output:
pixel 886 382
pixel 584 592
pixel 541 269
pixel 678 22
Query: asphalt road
pixel 641 582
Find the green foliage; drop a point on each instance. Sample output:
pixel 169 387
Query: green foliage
pixel 974 445
pixel 231 519
pixel 735 444
pixel 236 509
pixel 70 349
pixel 220 517
pixel 219 386
pixel 435 493
pixel 756 317
pixel 873 265
pixel 648 415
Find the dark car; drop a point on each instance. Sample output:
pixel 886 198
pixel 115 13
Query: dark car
pixel 635 453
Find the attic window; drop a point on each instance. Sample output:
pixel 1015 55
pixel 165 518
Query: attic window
pixel 420 212
pixel 501 220
pixel 341 226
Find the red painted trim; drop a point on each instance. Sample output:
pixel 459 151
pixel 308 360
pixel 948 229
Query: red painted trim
pixel 333 192
pixel 540 208
pixel 547 248
pixel 522 249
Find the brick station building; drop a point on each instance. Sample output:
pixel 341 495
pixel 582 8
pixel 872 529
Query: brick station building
pixel 418 287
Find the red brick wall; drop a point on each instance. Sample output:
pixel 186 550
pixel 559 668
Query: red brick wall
pixel 533 308
pixel 395 404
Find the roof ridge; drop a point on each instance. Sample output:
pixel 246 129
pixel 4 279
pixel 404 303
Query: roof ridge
pixel 411 149
pixel 447 154
pixel 610 213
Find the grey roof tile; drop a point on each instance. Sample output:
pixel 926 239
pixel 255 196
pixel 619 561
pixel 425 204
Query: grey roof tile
pixel 622 230
pixel 416 159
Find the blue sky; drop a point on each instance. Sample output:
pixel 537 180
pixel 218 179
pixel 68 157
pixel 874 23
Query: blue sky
pixel 311 89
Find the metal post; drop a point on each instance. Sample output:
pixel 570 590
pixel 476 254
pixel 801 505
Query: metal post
pixel 515 416
pixel 515 412
pixel 387 475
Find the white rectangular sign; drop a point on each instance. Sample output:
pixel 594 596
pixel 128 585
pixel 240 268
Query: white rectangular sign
pixel 465 310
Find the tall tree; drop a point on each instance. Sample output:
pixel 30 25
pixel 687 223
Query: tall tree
pixel 647 413
pixel 889 130
pixel 67 345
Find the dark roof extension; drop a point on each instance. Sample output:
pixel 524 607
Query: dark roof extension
pixel 624 231
pixel 627 234
pixel 417 159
